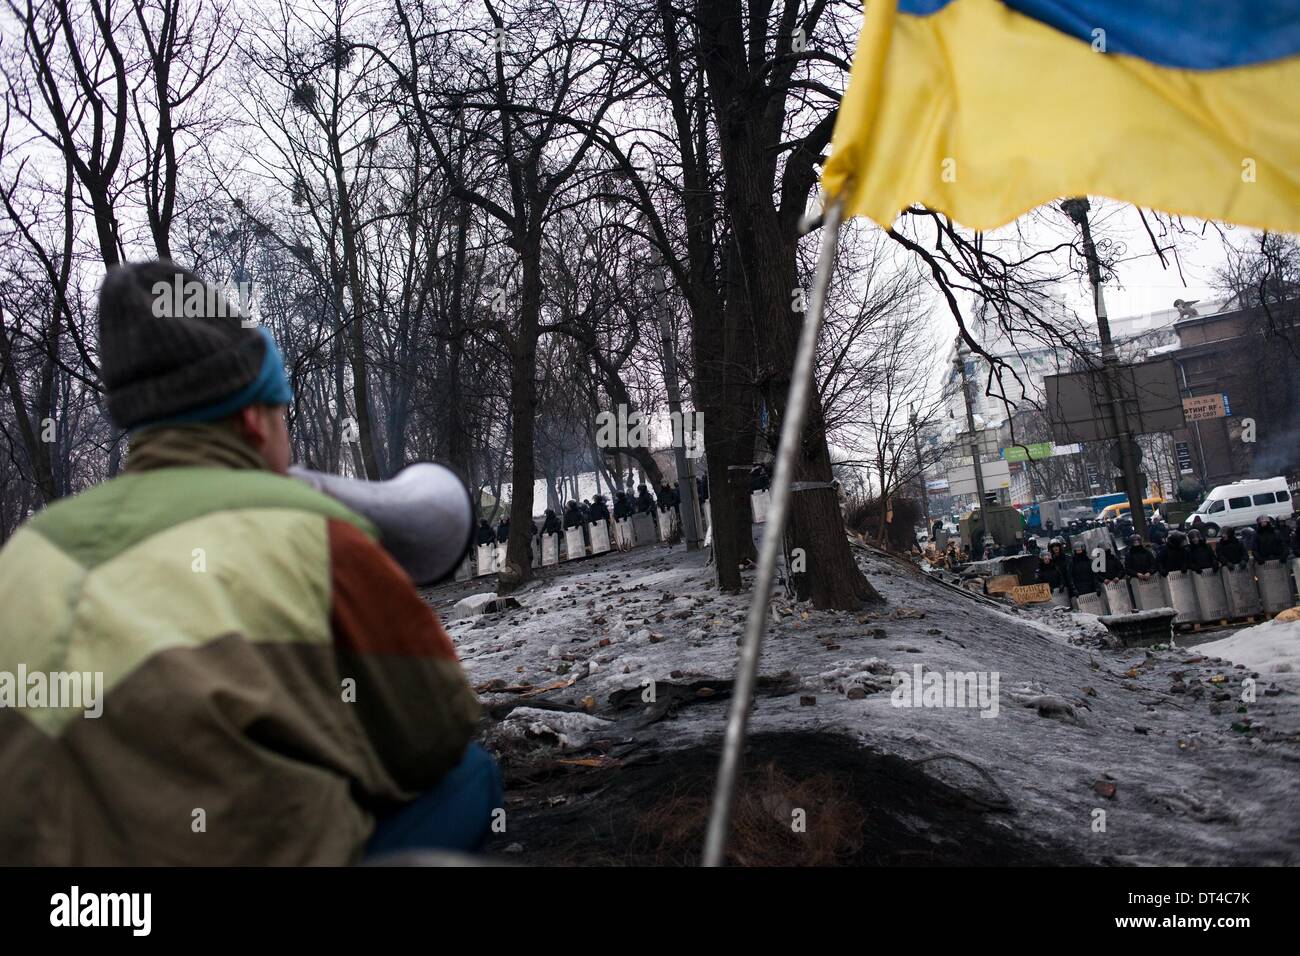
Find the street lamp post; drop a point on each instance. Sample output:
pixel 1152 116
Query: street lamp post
pixel 963 352
pixel 920 467
pixel 1077 209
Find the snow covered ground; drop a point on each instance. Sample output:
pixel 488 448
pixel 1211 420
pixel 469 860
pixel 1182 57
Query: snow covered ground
pixel 1272 648
pixel 1123 756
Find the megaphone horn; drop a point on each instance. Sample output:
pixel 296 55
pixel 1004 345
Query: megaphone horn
pixel 424 515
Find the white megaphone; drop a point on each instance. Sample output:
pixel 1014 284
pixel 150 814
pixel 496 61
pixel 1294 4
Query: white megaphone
pixel 424 515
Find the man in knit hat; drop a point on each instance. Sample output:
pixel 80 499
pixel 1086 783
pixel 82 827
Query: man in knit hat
pixel 244 675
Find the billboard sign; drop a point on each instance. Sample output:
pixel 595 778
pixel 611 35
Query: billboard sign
pixel 1200 407
pixel 1078 409
pixel 997 474
pixel 1034 452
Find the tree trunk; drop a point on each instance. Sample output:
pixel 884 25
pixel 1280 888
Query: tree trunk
pixel 766 245
pixel 523 411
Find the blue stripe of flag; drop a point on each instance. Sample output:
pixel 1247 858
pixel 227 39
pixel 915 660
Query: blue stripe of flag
pixel 1189 34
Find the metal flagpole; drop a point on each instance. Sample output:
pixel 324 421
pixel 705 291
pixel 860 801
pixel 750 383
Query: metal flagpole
pixel 715 843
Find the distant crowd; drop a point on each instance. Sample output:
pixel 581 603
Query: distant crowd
pixel 1067 563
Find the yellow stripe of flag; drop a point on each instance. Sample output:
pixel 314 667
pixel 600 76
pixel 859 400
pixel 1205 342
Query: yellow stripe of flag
pixel 984 113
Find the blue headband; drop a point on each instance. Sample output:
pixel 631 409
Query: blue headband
pixel 271 387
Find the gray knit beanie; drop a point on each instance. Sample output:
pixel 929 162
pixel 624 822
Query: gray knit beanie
pixel 171 345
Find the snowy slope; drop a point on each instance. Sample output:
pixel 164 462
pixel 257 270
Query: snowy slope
pixel 1072 717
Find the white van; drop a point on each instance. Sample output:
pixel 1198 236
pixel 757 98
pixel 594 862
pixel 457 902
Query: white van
pixel 1241 503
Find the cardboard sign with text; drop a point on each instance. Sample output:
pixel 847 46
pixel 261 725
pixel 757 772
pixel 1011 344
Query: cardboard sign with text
pixel 1032 593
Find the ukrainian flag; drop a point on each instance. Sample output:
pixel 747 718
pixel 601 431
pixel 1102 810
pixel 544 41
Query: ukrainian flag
pixel 985 109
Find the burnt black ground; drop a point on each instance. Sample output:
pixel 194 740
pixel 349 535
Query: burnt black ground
pixel 614 815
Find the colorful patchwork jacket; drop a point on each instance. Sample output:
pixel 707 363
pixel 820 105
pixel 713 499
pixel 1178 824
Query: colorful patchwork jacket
pixel 270 679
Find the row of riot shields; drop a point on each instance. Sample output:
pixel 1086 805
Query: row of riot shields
pixel 597 537
pixel 1246 590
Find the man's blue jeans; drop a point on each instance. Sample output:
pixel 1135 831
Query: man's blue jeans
pixel 454 815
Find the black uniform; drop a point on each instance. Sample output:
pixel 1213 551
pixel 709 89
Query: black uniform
pixel 598 511
pixel 1200 557
pixel 1051 574
pixel 1114 567
pixel 551 524
pixel 1061 558
pixel 503 530
pixel 644 503
pixel 572 516
pixel 1231 551
pixel 1081 576
pixel 1173 558
pixel 1269 545
pixel 622 509
pixel 485 533
pixel 702 488
pixel 1140 560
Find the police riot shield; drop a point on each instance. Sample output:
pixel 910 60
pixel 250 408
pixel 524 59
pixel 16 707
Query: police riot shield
pixel 1243 593
pixel 1211 598
pixel 486 560
pixel 1274 586
pixel 1148 595
pixel 1182 597
pixel 1118 599
pixel 1091 603
pixel 643 529
pixel 599 537
pixel 574 546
